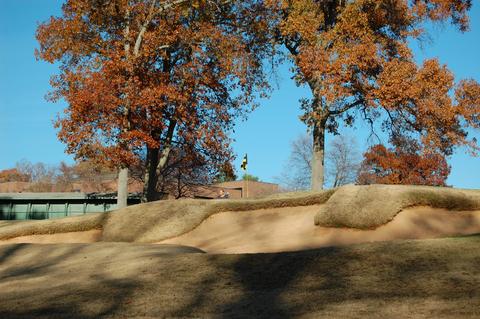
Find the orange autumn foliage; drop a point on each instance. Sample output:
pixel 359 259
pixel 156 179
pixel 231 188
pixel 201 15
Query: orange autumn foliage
pixel 141 77
pixel 405 163
pixel 354 56
pixel 13 175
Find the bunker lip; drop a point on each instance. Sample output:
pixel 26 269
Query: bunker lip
pixel 154 221
pixel 89 236
pixel 291 229
pixel 350 206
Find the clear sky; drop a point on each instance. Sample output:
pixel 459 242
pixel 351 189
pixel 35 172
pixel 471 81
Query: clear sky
pixel 26 130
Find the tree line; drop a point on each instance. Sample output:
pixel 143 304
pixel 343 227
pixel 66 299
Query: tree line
pixel 62 177
pixel 403 163
pixel 179 178
pixel 148 80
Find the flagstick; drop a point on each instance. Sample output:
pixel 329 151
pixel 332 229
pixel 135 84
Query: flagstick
pixel 246 179
pixel 245 169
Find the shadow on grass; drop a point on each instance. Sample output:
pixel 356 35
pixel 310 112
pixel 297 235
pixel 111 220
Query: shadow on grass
pixel 59 295
pixel 396 279
pixel 390 279
pixel 266 278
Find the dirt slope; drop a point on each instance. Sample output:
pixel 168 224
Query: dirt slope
pixel 88 236
pixel 400 279
pixel 154 221
pixel 363 207
pixel 278 223
pixel 291 229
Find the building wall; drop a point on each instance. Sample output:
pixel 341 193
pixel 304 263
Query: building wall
pixel 251 189
pixel 21 206
pixel 13 187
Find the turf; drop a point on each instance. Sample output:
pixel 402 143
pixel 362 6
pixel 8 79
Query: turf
pixel 400 279
pixel 368 207
pixel 156 221
pixel 360 207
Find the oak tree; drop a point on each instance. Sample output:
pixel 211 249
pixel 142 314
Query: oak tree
pixel 143 76
pixel 188 169
pixel 406 163
pixel 355 58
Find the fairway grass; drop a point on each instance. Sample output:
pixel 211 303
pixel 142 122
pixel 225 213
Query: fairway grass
pixel 119 273
pixel 437 278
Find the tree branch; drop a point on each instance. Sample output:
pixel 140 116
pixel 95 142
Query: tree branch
pixel 143 28
pixel 372 129
pixel 162 8
pixel 345 108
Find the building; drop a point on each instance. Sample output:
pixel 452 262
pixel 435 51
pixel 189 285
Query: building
pixel 21 206
pixel 249 189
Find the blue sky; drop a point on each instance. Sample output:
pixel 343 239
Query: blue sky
pixel 26 130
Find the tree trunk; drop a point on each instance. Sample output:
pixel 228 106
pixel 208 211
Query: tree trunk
pixel 122 187
pixel 122 181
pixel 318 155
pixel 151 177
pixel 155 164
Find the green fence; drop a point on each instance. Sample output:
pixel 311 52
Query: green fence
pixel 22 206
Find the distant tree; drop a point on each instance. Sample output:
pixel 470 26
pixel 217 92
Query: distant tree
pixel 248 177
pixel 406 163
pixel 59 178
pixel 87 173
pixel 142 77
pixel 226 174
pixel 13 175
pixel 342 161
pixel 38 172
pixel 185 171
pixel 354 56
pixel 296 174
pixel 40 175
pixel 65 178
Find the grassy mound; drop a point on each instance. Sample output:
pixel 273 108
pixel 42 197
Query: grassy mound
pixel 368 207
pixel 402 279
pixel 362 207
pixel 158 221
pixel 155 221
pixel 11 229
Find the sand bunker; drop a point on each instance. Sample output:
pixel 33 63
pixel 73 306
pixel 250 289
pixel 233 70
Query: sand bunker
pixel 80 237
pixel 291 229
pixel 288 229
